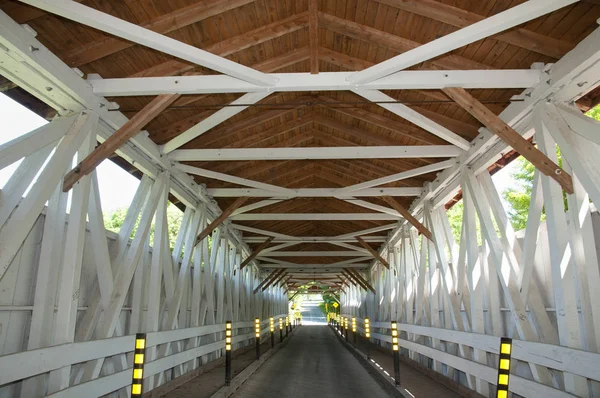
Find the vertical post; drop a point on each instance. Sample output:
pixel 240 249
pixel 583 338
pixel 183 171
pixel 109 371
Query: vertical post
pixel 354 329
pixel 287 326
pixel 257 335
pixel 280 330
pixel 139 357
pixel 228 338
pixel 396 353
pixel 504 367
pixel 368 336
pixel 346 328
pixel 272 329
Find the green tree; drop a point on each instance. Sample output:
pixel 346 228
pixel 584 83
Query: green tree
pixel 519 196
pixel 114 221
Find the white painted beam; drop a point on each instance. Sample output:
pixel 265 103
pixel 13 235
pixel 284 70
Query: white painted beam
pixel 399 176
pixel 257 205
pixel 373 206
pixel 350 253
pixel 500 22
pixel 369 152
pixel 146 37
pixel 233 179
pixel 314 239
pixel 213 120
pixel 414 117
pixel 328 81
pixel 312 193
pixel 313 217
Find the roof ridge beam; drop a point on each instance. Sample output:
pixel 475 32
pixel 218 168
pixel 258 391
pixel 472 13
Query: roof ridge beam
pixel 312 193
pixel 500 22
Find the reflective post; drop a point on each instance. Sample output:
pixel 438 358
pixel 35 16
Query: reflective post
pixel 346 328
pixel 504 367
pixel 368 336
pixel 257 335
pixel 228 336
pixel 139 358
pixel 354 329
pixel 396 353
pixel 272 329
pixel 280 330
pixel 287 326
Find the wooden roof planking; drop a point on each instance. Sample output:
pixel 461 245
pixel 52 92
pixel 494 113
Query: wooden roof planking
pixel 289 36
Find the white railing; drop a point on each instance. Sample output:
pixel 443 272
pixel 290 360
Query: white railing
pixel 22 365
pixel 569 360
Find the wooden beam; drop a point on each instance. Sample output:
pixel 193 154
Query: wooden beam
pixel 260 248
pixel 164 24
pixel 395 43
pixel 275 281
pixel 461 18
pixel 497 126
pixel 354 280
pixel 120 137
pixel 360 278
pixel 282 284
pixel 313 35
pixel 373 252
pixel 271 276
pixel 217 221
pixel 408 216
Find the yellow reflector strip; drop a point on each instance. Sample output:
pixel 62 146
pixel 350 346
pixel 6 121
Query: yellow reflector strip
pixel 228 347
pixel 228 333
pixel 138 359
pixel 394 326
pixel 228 326
pixel 505 364
pixel 503 379
pixel 136 389
pixel 228 339
pixel 138 373
pixel 502 394
pixel 505 349
pixel 394 333
pixel 257 335
pixel 395 347
pixel 368 334
pixel 140 344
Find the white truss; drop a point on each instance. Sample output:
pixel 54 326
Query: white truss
pixel 448 297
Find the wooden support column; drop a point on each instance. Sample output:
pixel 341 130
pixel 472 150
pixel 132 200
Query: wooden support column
pixel 269 278
pixel 120 137
pixel 313 35
pixel 360 278
pixel 255 253
pixel 409 217
pixel 373 252
pixel 217 221
pixel 511 137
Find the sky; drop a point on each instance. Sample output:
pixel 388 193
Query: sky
pixel 117 187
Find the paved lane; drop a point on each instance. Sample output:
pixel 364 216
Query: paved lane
pixel 313 364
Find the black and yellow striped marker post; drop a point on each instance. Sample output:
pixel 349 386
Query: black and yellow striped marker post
pixel 287 326
pixel 346 328
pixel 354 329
pixel 504 367
pixel 228 340
pixel 396 352
pixel 280 330
pixel 272 329
pixel 368 336
pixel 139 358
pixel 257 335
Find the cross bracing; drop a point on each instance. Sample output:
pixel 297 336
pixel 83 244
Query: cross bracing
pixel 303 160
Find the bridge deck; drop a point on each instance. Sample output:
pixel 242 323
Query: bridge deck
pixel 314 364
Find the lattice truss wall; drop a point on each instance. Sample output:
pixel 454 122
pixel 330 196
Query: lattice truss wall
pixel 72 295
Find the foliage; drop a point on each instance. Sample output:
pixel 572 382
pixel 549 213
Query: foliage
pixel 594 113
pixel 455 217
pixel 519 196
pixel 114 221
pixel 328 299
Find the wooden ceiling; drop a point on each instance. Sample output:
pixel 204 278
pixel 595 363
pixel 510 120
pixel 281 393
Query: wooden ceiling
pixel 292 36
